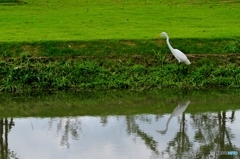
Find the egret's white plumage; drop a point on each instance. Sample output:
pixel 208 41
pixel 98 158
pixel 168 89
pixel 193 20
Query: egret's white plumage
pixel 181 57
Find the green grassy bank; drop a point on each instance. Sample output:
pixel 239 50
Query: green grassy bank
pixel 57 45
pixel 59 67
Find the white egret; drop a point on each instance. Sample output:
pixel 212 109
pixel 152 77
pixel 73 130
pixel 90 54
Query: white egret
pixel 177 111
pixel 181 57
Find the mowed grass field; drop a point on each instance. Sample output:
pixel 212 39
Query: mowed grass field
pixel 74 20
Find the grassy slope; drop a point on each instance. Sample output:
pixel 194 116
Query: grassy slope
pixel 107 19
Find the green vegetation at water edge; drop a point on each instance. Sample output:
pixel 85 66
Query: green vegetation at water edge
pixel 117 102
pixel 28 74
pixel 73 20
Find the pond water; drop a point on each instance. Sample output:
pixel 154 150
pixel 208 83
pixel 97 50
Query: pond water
pixel 182 132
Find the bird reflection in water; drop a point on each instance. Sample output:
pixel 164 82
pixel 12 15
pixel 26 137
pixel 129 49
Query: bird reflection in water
pixel 177 111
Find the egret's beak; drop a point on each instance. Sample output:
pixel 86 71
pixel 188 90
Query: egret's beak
pixel 158 35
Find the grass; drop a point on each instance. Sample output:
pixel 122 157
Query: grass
pixel 106 44
pixel 29 74
pixel 108 48
pixel 74 20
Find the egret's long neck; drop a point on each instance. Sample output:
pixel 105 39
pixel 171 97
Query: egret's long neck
pixel 168 43
pixel 168 122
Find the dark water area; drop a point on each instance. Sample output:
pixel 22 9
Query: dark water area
pixel 180 128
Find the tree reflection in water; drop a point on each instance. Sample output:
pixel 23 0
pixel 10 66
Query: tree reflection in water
pixel 68 126
pixel 6 125
pixel 211 134
pixel 212 131
pixel 133 128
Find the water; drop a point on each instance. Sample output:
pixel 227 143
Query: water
pixel 183 132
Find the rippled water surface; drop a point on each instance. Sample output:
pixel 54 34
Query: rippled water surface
pixel 183 132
